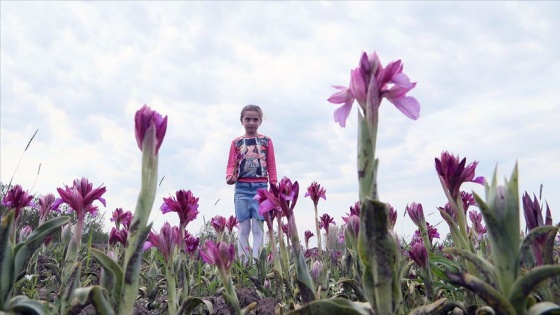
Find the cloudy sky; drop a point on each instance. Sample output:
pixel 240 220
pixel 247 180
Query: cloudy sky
pixel 487 73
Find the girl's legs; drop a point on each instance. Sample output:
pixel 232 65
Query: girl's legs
pixel 257 237
pixel 243 246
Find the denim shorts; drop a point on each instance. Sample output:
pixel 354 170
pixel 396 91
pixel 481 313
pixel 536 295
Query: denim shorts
pixel 246 207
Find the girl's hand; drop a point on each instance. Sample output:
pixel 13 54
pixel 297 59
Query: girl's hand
pixel 230 180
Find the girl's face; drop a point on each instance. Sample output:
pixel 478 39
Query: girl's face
pixel 251 122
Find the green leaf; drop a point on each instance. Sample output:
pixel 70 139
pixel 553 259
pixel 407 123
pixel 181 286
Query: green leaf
pixel 6 259
pixel 488 293
pixel 442 306
pixel 541 231
pixel 190 303
pixel 337 306
pixel 232 302
pixel 112 269
pixel 378 252
pixel 21 304
pixel 525 284
pixel 24 251
pixel 355 286
pixel 544 308
pixel 483 266
pixel 95 295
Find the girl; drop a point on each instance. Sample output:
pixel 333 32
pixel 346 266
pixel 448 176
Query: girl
pixel 251 165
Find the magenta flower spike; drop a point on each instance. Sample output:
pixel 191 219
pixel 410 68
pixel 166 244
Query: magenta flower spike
pixel 45 207
pixel 353 225
pixel 231 223
pixel 532 211
pixel 166 241
pixel 416 213
pixel 453 173
pixel 288 194
pixel 369 84
pixel 354 210
pixel 308 234
pixel 25 232
pixel 324 221
pixel 17 199
pixel 316 271
pixel 219 224
pixel 191 243
pixel 315 192
pixel 121 217
pixel 118 236
pixel 145 118
pixel 221 255
pixel 80 197
pixel 185 204
pixel 476 220
pixel 392 216
pixel 432 233
pixel 418 253
pixel 267 201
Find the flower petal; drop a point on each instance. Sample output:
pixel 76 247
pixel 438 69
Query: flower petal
pixel 407 105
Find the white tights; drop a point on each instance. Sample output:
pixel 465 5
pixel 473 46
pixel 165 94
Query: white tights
pixel 245 228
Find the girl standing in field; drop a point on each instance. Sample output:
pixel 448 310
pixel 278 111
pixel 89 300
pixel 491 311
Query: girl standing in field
pixel 251 165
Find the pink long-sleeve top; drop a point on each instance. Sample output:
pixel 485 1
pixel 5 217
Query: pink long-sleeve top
pixel 252 160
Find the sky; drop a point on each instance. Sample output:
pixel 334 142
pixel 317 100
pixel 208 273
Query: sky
pixel 487 78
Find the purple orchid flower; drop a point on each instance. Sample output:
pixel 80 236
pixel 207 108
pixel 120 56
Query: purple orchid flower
pixel 354 210
pixel 370 83
pixel 166 241
pixel 416 213
pixel 325 221
pixel 185 204
pixel 221 255
pixel 432 232
pixel 418 252
pixel 315 192
pixel 231 223
pixel 453 173
pixel 121 218
pixel 80 197
pixel 45 207
pixel 118 236
pixel 392 216
pixel 17 199
pixel 144 119
pixel 191 243
pixel 476 220
pixel 218 223
pixel 308 234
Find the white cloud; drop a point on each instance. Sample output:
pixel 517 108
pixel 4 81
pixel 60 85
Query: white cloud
pixel 486 73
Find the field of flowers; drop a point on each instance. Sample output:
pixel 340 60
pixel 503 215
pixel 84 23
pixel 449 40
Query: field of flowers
pixel 486 265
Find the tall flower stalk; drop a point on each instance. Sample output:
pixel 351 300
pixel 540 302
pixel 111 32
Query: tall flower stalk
pixel 452 173
pixel 150 128
pixel 370 82
pixel 316 192
pixel 422 245
pixel 167 242
pixel 283 198
pixel 80 198
pixel 222 255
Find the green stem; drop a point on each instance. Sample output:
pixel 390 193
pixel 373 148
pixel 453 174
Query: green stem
pixel 318 230
pixel 171 289
pixel 137 230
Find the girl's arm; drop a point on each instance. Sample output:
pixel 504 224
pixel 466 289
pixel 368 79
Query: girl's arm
pixel 231 169
pixel 271 163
